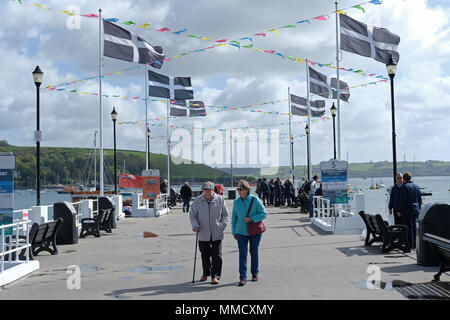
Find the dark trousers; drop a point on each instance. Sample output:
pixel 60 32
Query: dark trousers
pixel 397 219
pixel 211 252
pixel 266 198
pixel 271 197
pixel 186 204
pixel 409 220
pixel 277 199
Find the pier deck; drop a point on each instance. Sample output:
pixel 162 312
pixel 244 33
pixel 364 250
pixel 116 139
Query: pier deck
pixel 297 261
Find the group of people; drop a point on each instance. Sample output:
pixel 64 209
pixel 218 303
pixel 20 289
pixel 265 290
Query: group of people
pixel 209 218
pixel 405 202
pixel 276 192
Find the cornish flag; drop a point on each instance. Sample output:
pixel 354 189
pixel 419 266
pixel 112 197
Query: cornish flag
pixel 182 108
pixel 368 41
pixel 345 90
pixel 318 83
pixel 173 88
pixel 122 44
pixel 299 106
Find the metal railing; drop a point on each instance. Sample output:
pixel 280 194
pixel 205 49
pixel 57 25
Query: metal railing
pixel 161 201
pixel 14 244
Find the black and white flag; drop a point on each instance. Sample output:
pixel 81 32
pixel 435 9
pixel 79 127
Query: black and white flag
pixel 345 90
pixel 182 108
pixel 122 44
pixel 173 88
pixel 318 83
pixel 368 41
pixel 299 106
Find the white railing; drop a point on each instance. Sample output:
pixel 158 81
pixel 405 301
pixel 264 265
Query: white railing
pixel 322 207
pixel 19 245
pixel 161 202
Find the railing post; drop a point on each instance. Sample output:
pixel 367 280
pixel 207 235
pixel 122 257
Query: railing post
pixel 3 250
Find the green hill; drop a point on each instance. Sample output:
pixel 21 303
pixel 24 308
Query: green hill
pixel 74 165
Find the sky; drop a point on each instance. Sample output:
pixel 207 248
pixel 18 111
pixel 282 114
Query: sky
pixel 228 76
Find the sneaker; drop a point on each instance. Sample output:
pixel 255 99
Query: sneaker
pixel 255 277
pixel 203 278
pixel 214 281
pixel 242 282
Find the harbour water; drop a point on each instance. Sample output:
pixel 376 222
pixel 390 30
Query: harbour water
pixel 375 200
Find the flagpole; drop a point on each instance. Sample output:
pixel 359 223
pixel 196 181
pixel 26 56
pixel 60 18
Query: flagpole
pixel 146 117
pixel 309 122
pixel 168 153
pixel 291 139
pixel 100 67
pixel 338 97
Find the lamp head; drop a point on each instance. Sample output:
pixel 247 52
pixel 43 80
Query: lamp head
pixel 114 114
pixel 391 67
pixel 37 76
pixel 333 110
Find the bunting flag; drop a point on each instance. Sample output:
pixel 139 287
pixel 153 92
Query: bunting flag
pixel 299 106
pixel 182 108
pixel 122 44
pixel 368 41
pixel 174 88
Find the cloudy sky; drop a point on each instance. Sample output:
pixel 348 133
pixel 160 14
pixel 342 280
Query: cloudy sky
pixel 228 76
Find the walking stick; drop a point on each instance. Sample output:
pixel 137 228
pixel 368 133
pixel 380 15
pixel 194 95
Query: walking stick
pixel 195 257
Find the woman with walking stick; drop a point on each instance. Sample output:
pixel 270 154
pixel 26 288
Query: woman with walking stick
pixel 209 218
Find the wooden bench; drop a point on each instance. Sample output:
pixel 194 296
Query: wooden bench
pixel 101 221
pixel 41 237
pixel 441 247
pixel 395 236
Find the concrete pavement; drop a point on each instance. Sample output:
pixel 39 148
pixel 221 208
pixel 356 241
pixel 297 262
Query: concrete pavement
pixel 297 261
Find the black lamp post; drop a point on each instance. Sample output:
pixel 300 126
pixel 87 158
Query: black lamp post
pixel 307 149
pixel 148 146
pixel 391 67
pixel 37 76
pixel 114 118
pixel 333 111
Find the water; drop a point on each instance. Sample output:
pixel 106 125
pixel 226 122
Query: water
pixel 375 200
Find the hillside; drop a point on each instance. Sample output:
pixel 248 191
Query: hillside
pixel 74 165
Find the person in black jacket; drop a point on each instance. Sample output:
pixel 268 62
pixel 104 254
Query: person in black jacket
pixel 395 197
pixel 186 195
pixel 410 204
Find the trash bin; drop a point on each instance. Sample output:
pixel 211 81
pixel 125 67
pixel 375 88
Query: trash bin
pixel 232 194
pixel 68 231
pixel 434 218
pixel 107 203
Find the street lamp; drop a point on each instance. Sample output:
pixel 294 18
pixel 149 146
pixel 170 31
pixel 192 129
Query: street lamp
pixel 333 111
pixel 114 118
pixel 391 67
pixel 148 144
pixel 307 147
pixel 37 76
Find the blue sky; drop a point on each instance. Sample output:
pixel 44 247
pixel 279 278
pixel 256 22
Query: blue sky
pixel 229 76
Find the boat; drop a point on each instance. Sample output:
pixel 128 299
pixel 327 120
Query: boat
pixel 425 193
pixel 69 189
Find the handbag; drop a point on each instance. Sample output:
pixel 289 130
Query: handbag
pixel 252 227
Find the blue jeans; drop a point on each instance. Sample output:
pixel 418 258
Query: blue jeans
pixel 243 251
pixel 186 205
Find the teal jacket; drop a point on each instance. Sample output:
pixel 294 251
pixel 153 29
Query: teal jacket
pixel 240 208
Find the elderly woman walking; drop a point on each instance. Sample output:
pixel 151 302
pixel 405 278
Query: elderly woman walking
pixel 247 209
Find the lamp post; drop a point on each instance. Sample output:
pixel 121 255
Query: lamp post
pixel 37 77
pixel 333 111
pixel 391 67
pixel 307 151
pixel 148 144
pixel 114 118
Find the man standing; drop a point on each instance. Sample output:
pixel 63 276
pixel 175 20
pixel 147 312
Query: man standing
pixel 265 191
pixel 395 197
pixel 209 218
pixel 277 191
pixel 311 193
pixel 410 204
pixel 186 195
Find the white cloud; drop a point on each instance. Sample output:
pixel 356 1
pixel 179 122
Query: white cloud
pixel 227 75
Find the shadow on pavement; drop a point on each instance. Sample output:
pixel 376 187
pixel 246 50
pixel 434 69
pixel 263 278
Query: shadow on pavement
pixel 179 288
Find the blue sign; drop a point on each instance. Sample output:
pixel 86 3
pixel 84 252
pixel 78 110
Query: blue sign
pixel 334 181
pixel 7 167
